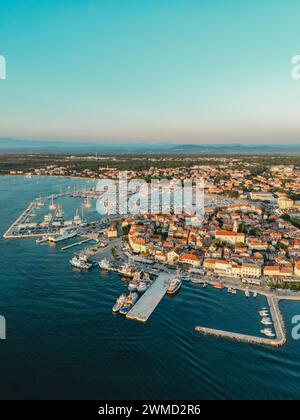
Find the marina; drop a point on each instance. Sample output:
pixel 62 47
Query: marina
pixel 279 339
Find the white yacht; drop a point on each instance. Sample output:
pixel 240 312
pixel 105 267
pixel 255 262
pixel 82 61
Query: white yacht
pixel 60 214
pixel 268 332
pixel 81 263
pixel 267 322
pixel 126 271
pixel 174 286
pixel 77 219
pixel 52 206
pixel 48 218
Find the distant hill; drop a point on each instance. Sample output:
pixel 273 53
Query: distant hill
pixel 230 149
pixel 10 145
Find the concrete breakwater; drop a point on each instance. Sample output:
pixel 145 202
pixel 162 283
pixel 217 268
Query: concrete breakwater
pixel 278 323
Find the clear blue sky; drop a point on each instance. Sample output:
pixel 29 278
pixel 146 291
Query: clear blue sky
pixel 150 70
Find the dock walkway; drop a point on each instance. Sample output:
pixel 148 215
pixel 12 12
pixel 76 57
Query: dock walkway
pixel 149 301
pixel 279 341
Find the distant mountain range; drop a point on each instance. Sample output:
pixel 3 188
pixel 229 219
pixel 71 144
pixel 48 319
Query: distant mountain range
pixel 9 145
pixel 233 149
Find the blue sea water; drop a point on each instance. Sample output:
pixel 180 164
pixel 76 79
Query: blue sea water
pixel 64 342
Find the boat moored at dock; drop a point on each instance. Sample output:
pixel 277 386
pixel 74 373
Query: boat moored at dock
pixel 64 234
pixel 174 286
pixel 119 303
pixel 219 287
pixel 268 333
pixel 81 263
pixel 129 302
pixel 126 271
pixel 41 240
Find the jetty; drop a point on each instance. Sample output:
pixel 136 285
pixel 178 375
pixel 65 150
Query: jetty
pixel 145 306
pixel 279 341
pixel 76 244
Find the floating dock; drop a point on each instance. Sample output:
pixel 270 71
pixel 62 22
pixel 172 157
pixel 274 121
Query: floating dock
pixel 149 301
pixel 279 341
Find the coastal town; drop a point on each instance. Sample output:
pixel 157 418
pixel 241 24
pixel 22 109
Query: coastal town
pixel 248 239
pixel 250 228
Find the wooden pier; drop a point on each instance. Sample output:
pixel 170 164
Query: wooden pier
pixel 149 301
pixel 279 341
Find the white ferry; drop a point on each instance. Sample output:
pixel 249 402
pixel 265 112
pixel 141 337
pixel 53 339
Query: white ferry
pixel 64 235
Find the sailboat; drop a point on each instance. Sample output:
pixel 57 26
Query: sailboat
pixel 87 203
pixel 77 219
pixel 52 205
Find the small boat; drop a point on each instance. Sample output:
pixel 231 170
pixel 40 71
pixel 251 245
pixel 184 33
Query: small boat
pixel 204 285
pixel 233 291
pixel 52 206
pixel 174 286
pixel 125 309
pixel 119 303
pixel 42 240
pixel 264 313
pixel 129 302
pixel 195 280
pixel 247 293
pixel 143 286
pixel 126 271
pixel 267 322
pixel 268 332
pixel 86 204
pixel 132 286
pixel 218 287
pixel 48 218
pixel 39 203
pixel 255 295
pixel 60 214
pixel 77 219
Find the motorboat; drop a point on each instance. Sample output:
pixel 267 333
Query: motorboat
pixel 174 286
pixel 119 303
pixel 81 263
